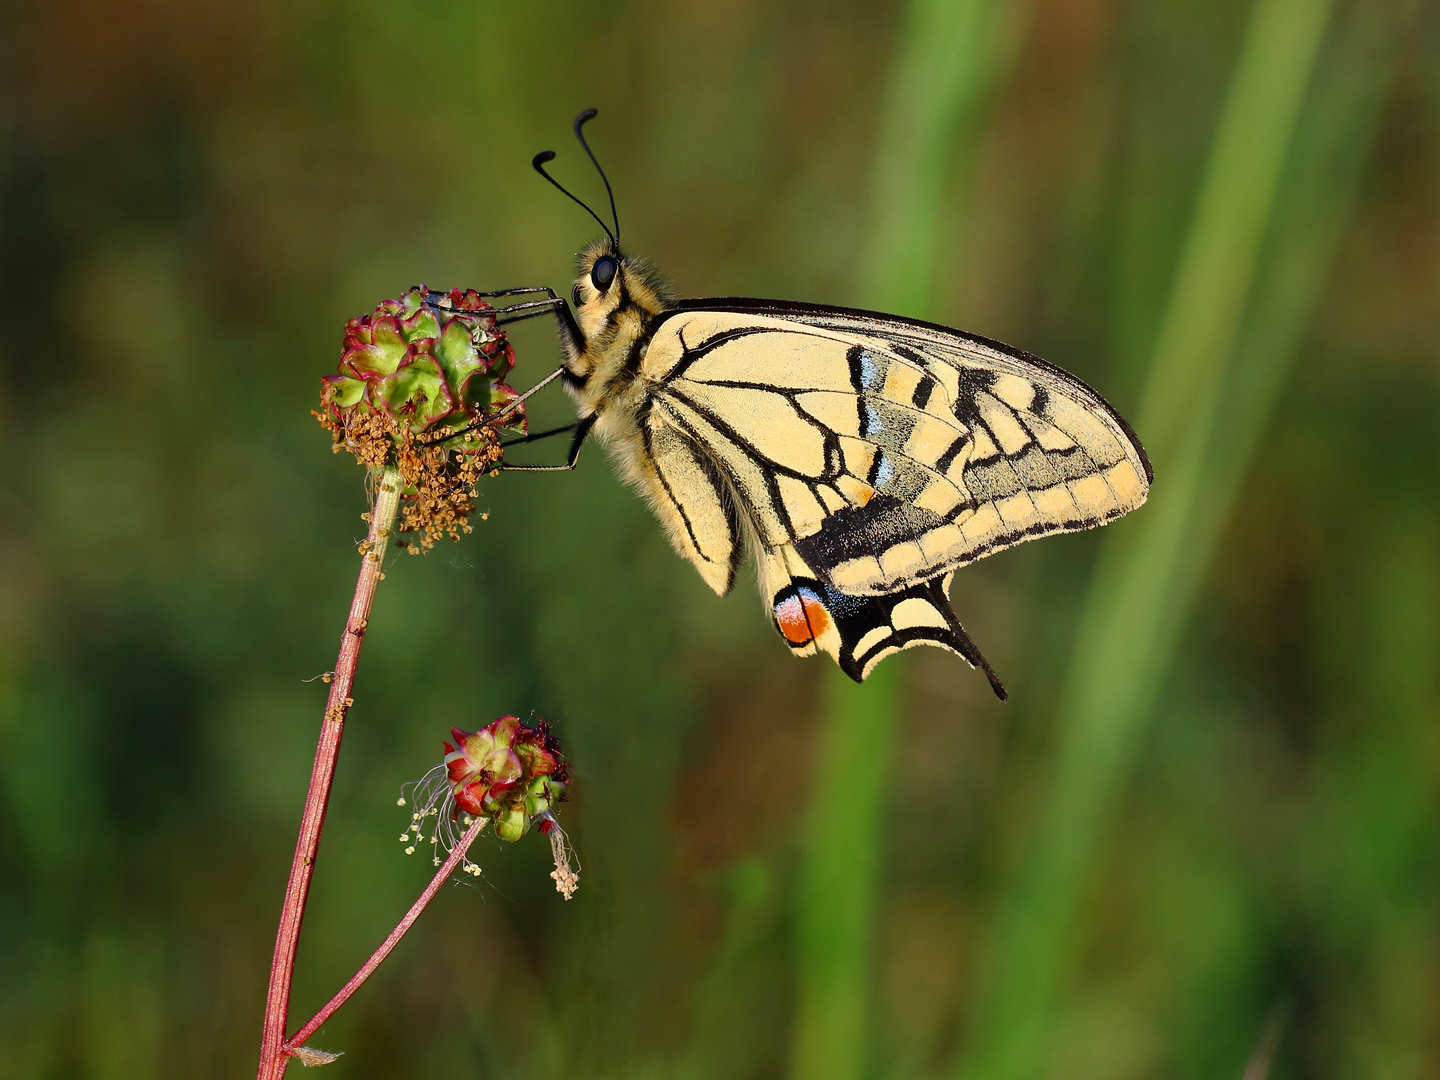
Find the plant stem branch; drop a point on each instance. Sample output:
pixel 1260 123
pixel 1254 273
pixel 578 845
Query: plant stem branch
pixel 402 928
pixel 273 1056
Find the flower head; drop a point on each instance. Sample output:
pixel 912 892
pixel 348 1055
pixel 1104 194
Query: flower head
pixel 421 388
pixel 508 772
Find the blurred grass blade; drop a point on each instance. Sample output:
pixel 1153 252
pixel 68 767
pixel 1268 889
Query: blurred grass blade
pixel 1332 148
pixel 1210 392
pixel 836 891
pixel 1263 1056
pixel 948 55
pixel 1221 255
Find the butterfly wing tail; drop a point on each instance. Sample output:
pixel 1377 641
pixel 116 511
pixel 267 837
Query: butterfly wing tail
pixel 963 643
pixel 860 631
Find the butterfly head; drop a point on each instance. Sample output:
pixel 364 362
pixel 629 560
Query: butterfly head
pixel 611 284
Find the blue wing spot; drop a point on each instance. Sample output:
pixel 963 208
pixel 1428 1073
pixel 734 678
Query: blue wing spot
pixel 867 371
pixel 870 422
pixel 882 470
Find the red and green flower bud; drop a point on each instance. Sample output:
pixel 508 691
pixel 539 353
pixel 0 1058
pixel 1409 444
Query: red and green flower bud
pixel 511 823
pixel 506 771
pixel 428 360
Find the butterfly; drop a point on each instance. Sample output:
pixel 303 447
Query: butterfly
pixel 862 457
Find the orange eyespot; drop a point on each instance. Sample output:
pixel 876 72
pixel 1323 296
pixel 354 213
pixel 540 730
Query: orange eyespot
pixel 801 615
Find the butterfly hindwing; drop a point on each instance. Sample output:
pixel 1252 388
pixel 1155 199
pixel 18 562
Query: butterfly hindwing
pixel 692 500
pixel 860 631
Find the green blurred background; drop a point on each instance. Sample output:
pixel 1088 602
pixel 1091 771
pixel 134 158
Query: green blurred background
pixel 1200 839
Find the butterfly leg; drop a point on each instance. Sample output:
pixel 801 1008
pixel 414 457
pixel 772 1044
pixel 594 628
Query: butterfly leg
pixel 518 290
pixel 571 340
pixel 581 429
pixel 491 421
pixel 529 310
pixel 537 436
pixel 570 336
pixel 441 300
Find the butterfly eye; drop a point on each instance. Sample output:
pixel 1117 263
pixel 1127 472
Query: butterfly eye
pixel 603 272
pixel 575 297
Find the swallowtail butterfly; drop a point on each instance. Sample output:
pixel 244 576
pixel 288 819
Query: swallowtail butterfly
pixel 862 457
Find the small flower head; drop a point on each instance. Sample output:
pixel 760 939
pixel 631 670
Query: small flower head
pixel 421 387
pixel 508 772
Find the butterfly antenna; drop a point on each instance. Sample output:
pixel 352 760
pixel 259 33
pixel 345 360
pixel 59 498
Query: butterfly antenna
pixel 580 122
pixel 538 163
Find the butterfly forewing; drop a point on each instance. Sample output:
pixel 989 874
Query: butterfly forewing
pixel 887 452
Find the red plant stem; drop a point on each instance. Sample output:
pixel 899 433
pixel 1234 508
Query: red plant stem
pixel 378 956
pixel 273 1056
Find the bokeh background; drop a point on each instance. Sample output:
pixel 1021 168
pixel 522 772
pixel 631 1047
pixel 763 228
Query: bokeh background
pixel 1200 840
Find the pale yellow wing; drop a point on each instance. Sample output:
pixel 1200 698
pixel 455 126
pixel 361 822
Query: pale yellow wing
pixel 885 451
pixel 691 498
